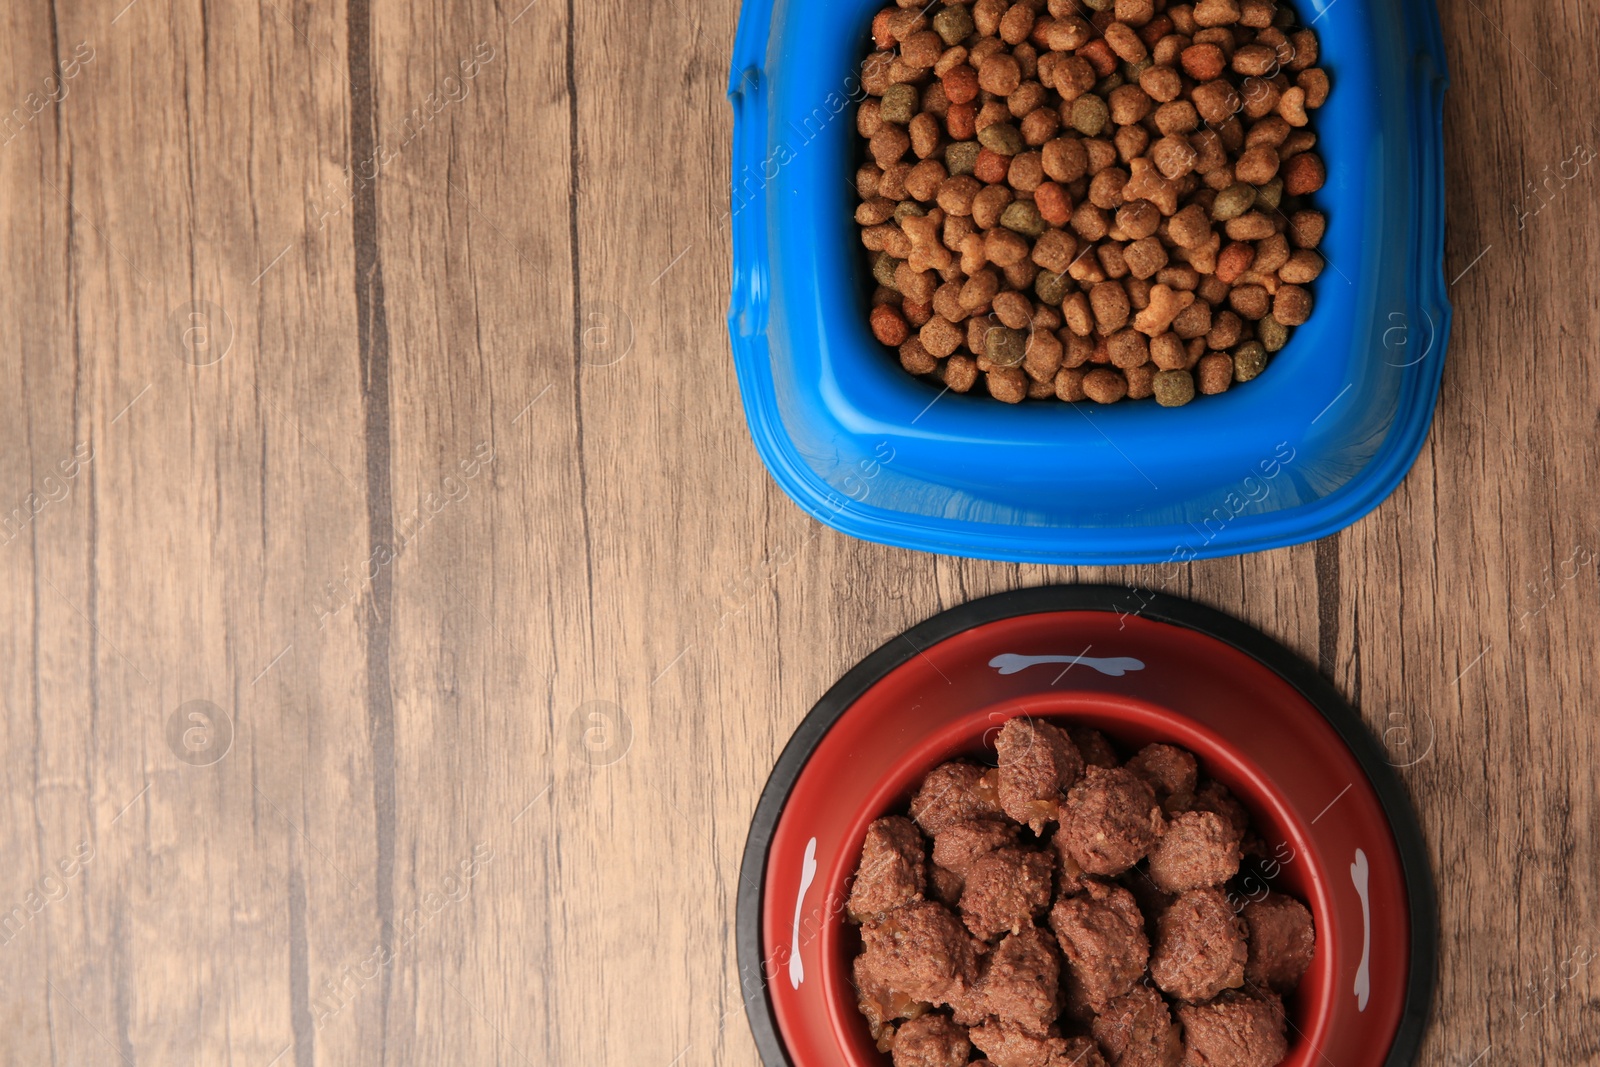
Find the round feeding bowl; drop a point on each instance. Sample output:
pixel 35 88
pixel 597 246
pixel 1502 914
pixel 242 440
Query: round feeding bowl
pixel 1318 440
pixel 1140 667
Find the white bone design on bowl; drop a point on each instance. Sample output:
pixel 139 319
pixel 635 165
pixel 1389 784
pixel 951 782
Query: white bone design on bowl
pixel 1363 987
pixel 1115 666
pixel 808 871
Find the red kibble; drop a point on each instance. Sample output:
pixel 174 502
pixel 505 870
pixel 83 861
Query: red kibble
pixel 888 326
pixel 962 122
pixel 991 167
pixel 1100 57
pixel 1053 205
pixel 960 84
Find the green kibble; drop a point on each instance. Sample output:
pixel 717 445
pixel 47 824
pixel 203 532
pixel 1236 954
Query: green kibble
pixel 962 157
pixel 1089 115
pixel 883 269
pixel 899 104
pixel 1052 288
pixel 1174 388
pixel 1249 360
pixel 1233 201
pixel 1002 138
pixel 1131 72
pixel 1005 347
pixel 1109 82
pixel 1020 216
pixel 1270 195
pixel 953 24
pixel 908 208
pixel 1099 5
pixel 1272 333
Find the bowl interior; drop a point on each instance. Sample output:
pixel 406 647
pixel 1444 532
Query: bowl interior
pixel 1130 724
pixel 1138 680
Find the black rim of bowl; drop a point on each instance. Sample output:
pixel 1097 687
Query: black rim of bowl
pixel 1108 598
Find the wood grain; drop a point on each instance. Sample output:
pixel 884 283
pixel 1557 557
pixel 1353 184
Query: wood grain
pixel 444 504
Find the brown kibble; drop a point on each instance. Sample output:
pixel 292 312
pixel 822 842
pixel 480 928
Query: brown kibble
pixel 1250 301
pixel 1292 106
pixel 1000 74
pixel 1124 40
pixel 916 359
pixel 1216 12
pixel 1069 384
pixel 1055 250
pixel 1026 172
pixel 1128 104
pixel 1040 125
pixel 1257 165
pixel 1004 248
pixel 940 336
pixel 1007 384
pixel 1104 386
pixel 1214 373
pixel 1304 174
pixel 1145 257
pixel 925 179
pixel 1271 253
pixel 1110 303
pixel 960 373
pixel 1315 84
pixel 957 192
pixel 988 205
pixel 1189 228
pixel 1292 305
pixel 1193 321
pixel 1306 51
pixel 888 326
pixel 1138 219
pixel 1255 60
pixel 1161 83
pixel 1013 309
pixel 1174 157
pixel 1043 356
pixel 888 145
pixel 980 290
pixel 1141 381
pixel 1128 348
pixel 925 135
pixel 1306 228
pixel 1016 24
pixel 1167 352
pixel 916 286
pixel 1251 226
pixel 1216 101
pixel 1065 159
pixel 1301 268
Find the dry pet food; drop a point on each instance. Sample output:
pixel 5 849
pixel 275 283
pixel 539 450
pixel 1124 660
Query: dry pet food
pixel 1071 907
pixel 1090 201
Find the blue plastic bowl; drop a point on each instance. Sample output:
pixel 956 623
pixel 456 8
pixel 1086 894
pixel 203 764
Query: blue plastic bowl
pixel 1302 451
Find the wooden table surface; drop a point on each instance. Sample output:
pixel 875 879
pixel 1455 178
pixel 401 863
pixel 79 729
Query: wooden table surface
pixel 399 625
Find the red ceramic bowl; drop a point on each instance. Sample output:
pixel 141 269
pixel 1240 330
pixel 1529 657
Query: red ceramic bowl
pixel 1141 667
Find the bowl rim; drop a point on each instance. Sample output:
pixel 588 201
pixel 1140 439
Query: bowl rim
pixel 1160 607
pixel 1416 270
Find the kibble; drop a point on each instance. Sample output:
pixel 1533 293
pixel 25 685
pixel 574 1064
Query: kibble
pixel 1098 204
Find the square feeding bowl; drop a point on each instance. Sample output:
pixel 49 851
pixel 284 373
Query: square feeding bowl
pixel 1310 446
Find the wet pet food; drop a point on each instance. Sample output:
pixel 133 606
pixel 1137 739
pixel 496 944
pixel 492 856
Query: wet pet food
pixel 1090 202
pixel 1069 907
